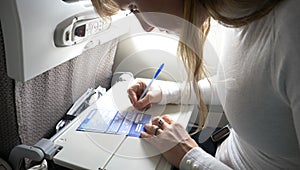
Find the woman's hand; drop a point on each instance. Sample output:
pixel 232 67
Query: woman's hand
pixel 170 138
pixel 154 95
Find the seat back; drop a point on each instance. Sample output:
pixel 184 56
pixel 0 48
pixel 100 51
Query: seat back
pixel 8 121
pixel 30 110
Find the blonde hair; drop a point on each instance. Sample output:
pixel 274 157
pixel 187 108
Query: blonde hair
pixel 190 48
pixel 106 8
pixel 192 56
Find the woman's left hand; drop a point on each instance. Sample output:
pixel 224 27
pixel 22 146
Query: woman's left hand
pixel 170 138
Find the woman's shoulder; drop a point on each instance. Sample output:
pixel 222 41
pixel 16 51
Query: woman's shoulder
pixel 287 25
pixel 287 14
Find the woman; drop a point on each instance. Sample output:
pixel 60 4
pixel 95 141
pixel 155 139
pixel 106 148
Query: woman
pixel 262 101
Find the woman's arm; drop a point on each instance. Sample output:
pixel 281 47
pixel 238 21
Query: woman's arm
pixel 287 60
pixel 179 92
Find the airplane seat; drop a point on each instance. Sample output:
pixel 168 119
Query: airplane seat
pixel 142 53
pixel 8 126
pixel 30 110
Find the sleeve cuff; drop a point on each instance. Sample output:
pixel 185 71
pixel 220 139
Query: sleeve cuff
pixel 197 158
pixel 187 162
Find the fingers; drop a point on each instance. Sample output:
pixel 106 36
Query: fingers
pixel 134 92
pixel 144 103
pixel 145 135
pixel 168 119
pixel 159 124
pixel 151 130
pixel 163 122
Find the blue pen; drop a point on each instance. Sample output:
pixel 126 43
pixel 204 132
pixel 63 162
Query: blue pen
pixel 153 78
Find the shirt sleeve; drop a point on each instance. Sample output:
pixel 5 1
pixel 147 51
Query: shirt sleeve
pixel 287 61
pixel 197 158
pixel 181 92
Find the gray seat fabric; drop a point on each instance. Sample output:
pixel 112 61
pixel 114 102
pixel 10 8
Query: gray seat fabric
pixel 8 122
pixel 30 110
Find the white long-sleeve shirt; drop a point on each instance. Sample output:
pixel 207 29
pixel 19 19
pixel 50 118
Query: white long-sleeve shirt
pixel 259 89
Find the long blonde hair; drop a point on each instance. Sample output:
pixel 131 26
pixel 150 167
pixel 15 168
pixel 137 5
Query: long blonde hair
pixel 190 50
pixel 192 56
pixel 191 53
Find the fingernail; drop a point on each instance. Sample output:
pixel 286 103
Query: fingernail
pixel 143 134
pixel 147 126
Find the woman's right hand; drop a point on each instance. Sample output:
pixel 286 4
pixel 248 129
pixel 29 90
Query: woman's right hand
pixel 170 138
pixel 154 95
